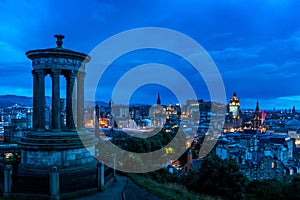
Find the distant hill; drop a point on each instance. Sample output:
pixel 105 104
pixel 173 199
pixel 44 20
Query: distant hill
pixel 92 103
pixel 10 100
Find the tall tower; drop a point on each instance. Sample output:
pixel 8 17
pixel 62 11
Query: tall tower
pixel 157 113
pixel 234 112
pixel 257 117
pixel 58 149
pixel 234 106
pixel 158 102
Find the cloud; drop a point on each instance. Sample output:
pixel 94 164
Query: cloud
pixel 280 103
pixel 231 54
pixel 10 53
pixel 255 44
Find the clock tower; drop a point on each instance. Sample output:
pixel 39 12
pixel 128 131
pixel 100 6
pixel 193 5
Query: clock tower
pixel 233 118
pixel 234 106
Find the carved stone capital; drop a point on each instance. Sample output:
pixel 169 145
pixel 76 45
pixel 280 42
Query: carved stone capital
pixel 55 73
pixel 8 167
pixel 100 164
pixel 53 169
pixel 41 73
pixel 34 73
pixel 70 74
pixel 81 75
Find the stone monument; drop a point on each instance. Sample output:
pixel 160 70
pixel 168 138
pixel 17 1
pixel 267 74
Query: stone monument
pixel 54 161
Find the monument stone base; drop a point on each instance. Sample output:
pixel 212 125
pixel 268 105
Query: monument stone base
pixel 55 164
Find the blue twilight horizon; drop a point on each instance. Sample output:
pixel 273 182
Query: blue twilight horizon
pixel 255 44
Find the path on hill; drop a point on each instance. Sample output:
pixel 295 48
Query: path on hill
pixel 115 190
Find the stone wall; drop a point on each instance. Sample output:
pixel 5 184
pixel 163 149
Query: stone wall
pixel 61 159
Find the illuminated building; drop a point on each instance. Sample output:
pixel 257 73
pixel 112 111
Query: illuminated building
pixel 257 117
pixel 234 106
pixel 157 114
pixel 233 119
pixel 103 122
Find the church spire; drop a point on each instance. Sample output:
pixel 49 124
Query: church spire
pixel 158 99
pixel 257 117
pixel 294 110
pixel 257 108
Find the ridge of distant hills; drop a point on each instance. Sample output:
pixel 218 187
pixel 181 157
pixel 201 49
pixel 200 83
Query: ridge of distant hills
pixel 10 100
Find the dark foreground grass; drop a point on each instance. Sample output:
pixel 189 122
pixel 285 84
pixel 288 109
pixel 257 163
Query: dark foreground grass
pixel 167 191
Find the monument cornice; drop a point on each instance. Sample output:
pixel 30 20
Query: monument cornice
pixel 57 53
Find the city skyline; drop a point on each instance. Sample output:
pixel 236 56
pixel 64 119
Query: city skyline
pixel 254 45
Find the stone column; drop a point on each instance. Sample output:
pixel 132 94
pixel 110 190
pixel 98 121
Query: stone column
pixel 70 77
pixel 80 100
pixel 7 178
pixel 100 175
pixel 54 182
pixel 62 121
pixel 97 115
pixel 55 75
pixel 115 166
pixel 35 97
pixel 41 100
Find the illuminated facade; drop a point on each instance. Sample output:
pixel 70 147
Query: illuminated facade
pixel 234 106
pixel 257 117
pixel 233 119
pixel 157 114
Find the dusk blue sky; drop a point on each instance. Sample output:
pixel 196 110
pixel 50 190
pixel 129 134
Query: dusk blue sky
pixel 255 44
